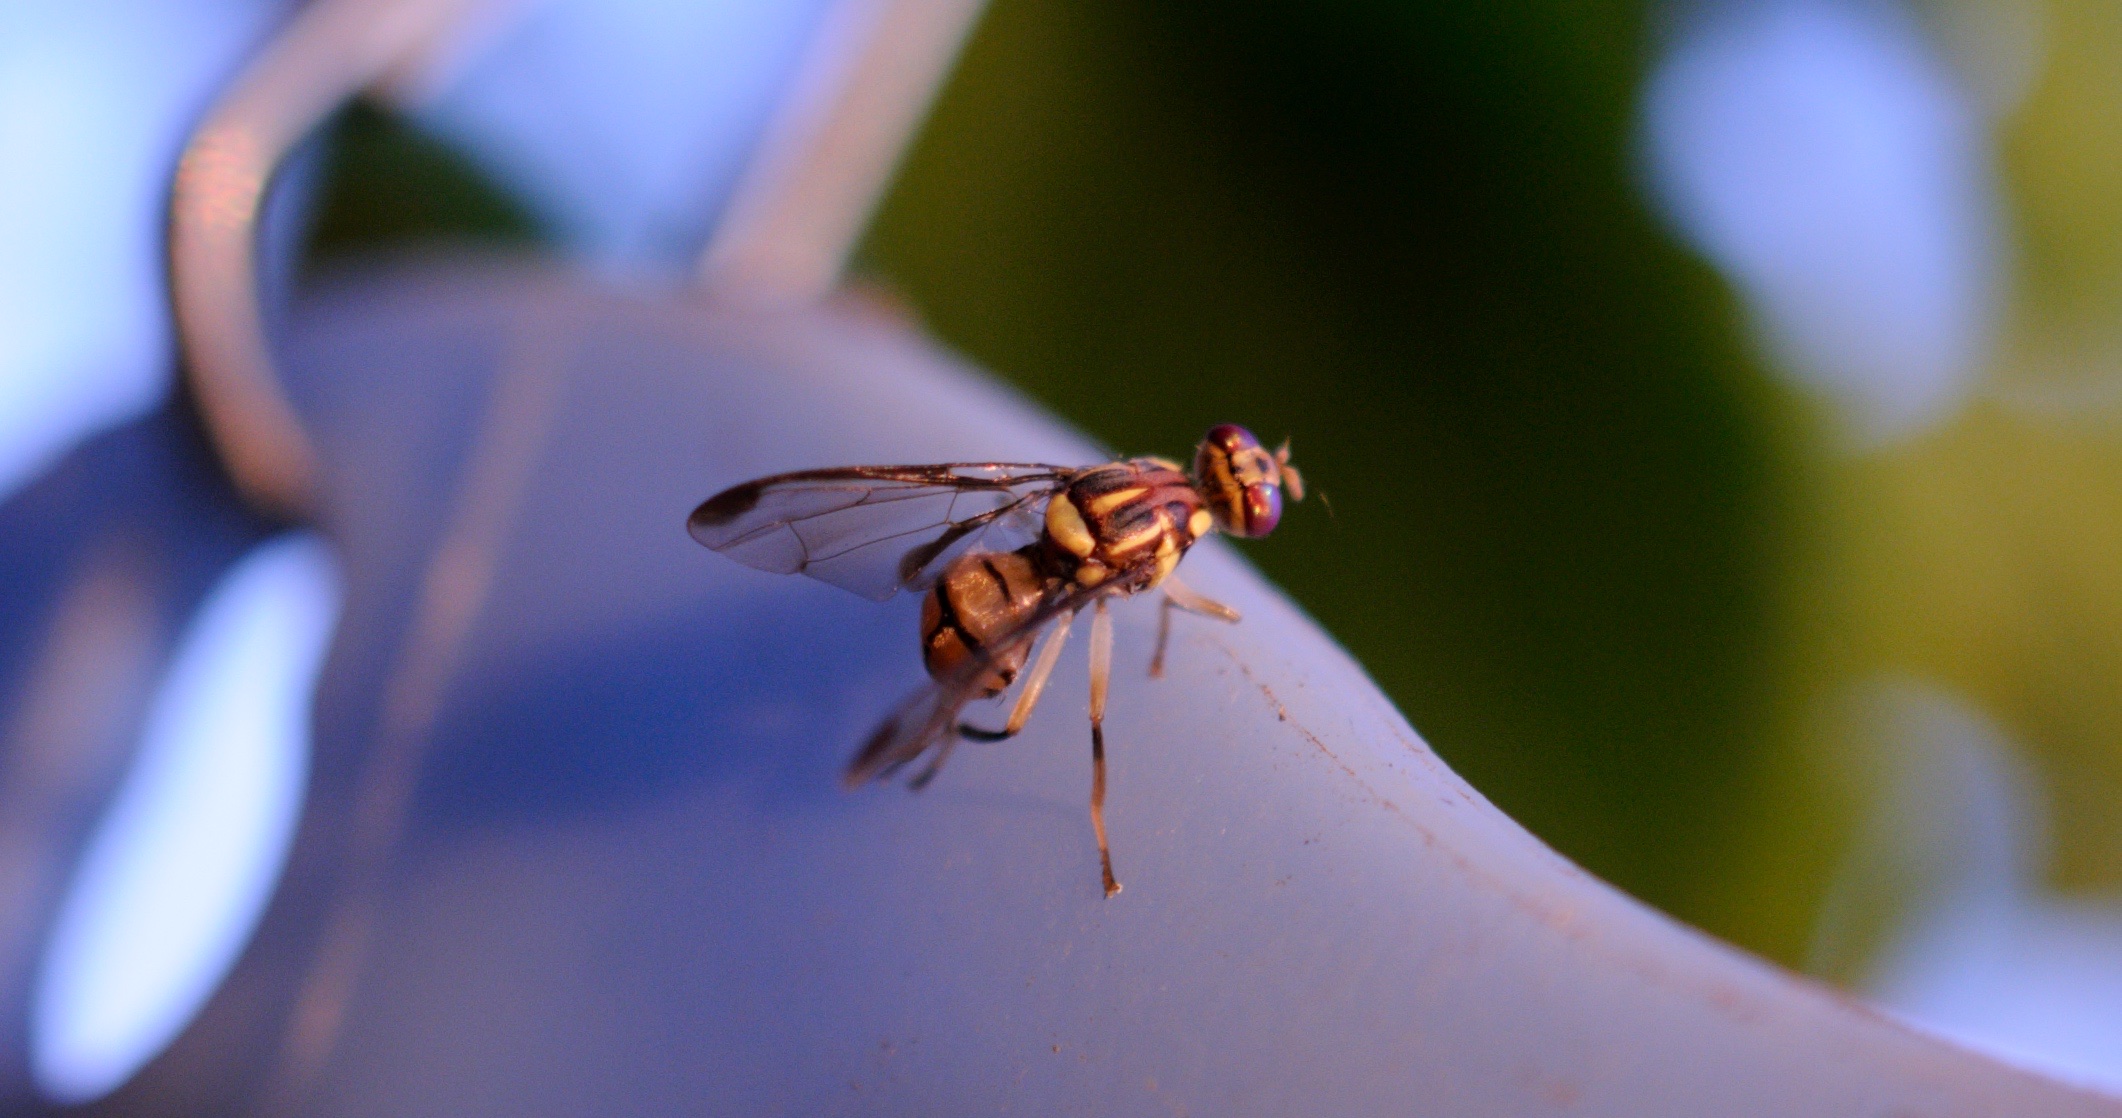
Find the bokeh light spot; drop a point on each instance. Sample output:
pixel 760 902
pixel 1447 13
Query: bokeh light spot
pixel 179 869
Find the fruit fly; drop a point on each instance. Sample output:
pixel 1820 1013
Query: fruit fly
pixel 1004 552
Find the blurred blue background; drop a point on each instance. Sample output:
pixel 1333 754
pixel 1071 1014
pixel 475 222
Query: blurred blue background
pixel 1717 401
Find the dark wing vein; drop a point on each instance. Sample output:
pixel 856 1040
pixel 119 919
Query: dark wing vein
pixel 876 529
pixel 930 715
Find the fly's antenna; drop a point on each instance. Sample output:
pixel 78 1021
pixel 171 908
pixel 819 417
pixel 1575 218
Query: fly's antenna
pixel 1291 479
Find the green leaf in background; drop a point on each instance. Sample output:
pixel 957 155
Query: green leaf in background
pixel 388 183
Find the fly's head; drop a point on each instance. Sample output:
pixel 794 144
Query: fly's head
pixel 1242 482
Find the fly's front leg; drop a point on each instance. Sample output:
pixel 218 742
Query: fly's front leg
pixel 1187 598
pixel 1177 595
pixel 1164 635
pixel 1034 686
pixel 1101 671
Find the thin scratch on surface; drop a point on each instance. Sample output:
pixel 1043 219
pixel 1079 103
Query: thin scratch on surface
pixel 1564 919
pixel 1281 710
pixel 453 590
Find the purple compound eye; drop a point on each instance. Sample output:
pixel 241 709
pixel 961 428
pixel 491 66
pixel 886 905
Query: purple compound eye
pixel 1263 508
pixel 1240 481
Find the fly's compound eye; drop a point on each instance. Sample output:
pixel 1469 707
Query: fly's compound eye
pixel 1240 480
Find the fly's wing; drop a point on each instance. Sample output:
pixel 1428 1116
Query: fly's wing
pixel 930 715
pixel 876 530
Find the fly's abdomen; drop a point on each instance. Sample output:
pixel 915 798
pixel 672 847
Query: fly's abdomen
pixel 979 599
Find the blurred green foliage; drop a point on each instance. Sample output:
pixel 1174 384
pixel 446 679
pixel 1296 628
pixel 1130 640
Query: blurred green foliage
pixel 1569 528
pixel 1989 557
pixel 387 184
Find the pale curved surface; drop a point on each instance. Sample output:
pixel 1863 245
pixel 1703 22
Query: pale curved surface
pixel 618 874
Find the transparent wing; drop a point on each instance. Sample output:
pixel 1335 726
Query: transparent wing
pixel 930 715
pixel 876 530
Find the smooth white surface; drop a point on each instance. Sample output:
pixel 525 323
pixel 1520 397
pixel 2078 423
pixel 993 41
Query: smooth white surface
pixel 629 881
pixel 181 866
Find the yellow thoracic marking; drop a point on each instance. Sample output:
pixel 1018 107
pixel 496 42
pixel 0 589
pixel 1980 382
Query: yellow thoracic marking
pixel 1166 560
pixel 1091 574
pixel 1106 503
pixel 1134 540
pixel 1199 523
pixel 1066 526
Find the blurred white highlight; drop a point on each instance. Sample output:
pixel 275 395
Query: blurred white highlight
pixel 626 122
pixel 180 867
pixel 95 96
pixel 1988 957
pixel 1824 159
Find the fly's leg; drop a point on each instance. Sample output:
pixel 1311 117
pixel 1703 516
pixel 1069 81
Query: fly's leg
pixel 1034 686
pixel 1177 595
pixel 1101 671
pixel 1187 598
pixel 935 764
pixel 1164 635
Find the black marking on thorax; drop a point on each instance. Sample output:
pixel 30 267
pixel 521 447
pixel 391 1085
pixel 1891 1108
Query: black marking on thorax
pixel 1135 514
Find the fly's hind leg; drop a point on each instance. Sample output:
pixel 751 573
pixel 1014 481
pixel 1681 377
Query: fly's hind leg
pixel 1027 698
pixel 1177 595
pixel 1034 686
pixel 935 764
pixel 1101 671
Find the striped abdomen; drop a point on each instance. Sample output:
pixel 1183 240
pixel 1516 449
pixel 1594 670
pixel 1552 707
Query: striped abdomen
pixel 979 598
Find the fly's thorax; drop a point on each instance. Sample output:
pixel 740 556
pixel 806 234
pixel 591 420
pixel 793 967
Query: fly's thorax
pixel 979 599
pixel 1129 520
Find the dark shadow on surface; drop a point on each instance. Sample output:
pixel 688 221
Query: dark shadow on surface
pixel 773 694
